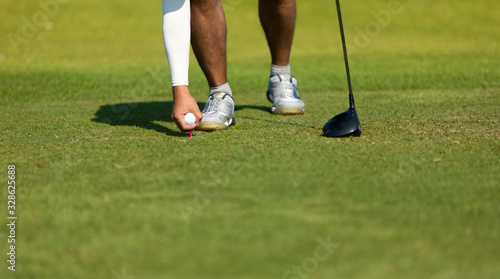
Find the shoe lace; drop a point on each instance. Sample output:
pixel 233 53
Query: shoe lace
pixel 213 104
pixel 287 88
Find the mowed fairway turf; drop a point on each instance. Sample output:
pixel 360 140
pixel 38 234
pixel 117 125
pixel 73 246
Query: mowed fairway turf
pixel 107 187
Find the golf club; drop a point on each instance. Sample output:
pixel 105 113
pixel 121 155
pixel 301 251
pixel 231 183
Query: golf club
pixel 346 123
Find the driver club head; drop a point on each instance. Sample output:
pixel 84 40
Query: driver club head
pixel 346 123
pixel 343 124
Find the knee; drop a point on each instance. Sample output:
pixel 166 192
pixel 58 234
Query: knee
pixel 205 4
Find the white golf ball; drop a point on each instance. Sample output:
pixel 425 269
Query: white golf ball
pixel 189 118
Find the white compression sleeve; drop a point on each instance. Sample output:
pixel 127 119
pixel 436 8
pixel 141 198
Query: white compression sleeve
pixel 177 37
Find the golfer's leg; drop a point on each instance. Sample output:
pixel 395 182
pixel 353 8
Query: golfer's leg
pixel 208 38
pixel 278 21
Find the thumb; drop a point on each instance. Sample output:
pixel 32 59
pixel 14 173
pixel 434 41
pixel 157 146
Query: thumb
pixel 198 115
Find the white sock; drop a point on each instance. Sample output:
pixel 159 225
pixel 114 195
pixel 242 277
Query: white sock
pixel 177 37
pixel 280 70
pixel 222 88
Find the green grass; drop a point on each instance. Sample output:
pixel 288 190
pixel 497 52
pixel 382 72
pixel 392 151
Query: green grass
pixel 108 188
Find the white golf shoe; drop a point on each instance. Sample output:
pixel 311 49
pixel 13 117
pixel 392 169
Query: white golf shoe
pixel 218 113
pixel 282 92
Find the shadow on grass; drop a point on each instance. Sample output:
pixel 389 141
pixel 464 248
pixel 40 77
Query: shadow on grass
pixel 144 114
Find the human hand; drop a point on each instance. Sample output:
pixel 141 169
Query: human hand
pixel 183 104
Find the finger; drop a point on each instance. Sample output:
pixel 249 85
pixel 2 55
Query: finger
pixel 198 115
pixel 190 127
pixel 186 128
pixel 181 124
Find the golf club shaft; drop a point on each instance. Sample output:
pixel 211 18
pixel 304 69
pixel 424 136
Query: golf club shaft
pixel 351 97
